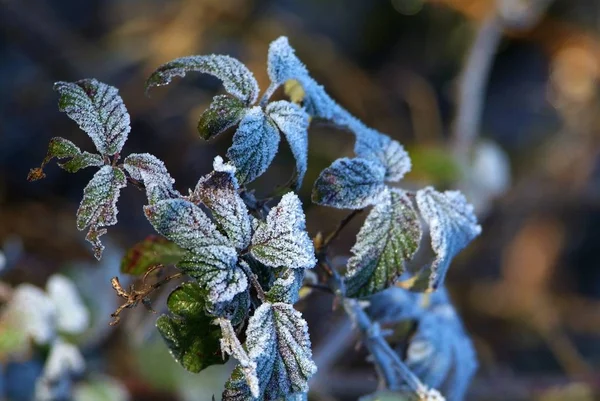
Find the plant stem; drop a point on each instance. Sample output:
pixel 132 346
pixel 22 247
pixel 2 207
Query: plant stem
pixel 333 235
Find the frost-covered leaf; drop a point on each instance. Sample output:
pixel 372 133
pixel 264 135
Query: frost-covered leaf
pixel 231 345
pixel 452 225
pixel 404 395
pixel 375 146
pixel 218 191
pixel 62 148
pixel 349 184
pixel 211 259
pixel 151 251
pixel 254 145
pixel 98 207
pixel 440 353
pixel 153 173
pixel 32 312
pixel 191 337
pixel 224 112
pixel 237 79
pixel 217 273
pixel 283 241
pixel 284 65
pixel 72 316
pixel 287 286
pixel 98 110
pixel 389 237
pixel 293 121
pixel 235 310
pixel 277 341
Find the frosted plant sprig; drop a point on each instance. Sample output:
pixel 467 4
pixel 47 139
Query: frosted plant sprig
pixel 245 258
pixel 256 139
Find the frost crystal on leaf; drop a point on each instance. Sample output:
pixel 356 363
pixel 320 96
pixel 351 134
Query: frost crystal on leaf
pixel 389 237
pixel 224 112
pixel 287 286
pixel 211 260
pixel 232 346
pixel 452 225
pixel 277 340
pixel 293 121
pixel 375 146
pixel 237 79
pixel 283 241
pixel 98 207
pixel 99 111
pixel 152 172
pixel 218 191
pixel 62 148
pixel 349 184
pixel 254 145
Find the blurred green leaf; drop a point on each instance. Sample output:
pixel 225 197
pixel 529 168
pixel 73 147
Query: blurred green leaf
pixel 151 251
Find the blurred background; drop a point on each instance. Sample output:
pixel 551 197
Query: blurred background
pixel 497 98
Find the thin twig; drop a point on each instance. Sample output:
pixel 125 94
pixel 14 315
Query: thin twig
pixel 333 235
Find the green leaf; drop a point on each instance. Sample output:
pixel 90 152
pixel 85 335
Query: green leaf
pixel 283 241
pixel 98 207
pixel 219 192
pixel 277 341
pixel 194 343
pixel 62 148
pixel 452 226
pixel 190 335
pixel 254 145
pixel 349 184
pixel 237 79
pixel 389 237
pixel 150 252
pixel 224 112
pixel 98 110
pixel 287 286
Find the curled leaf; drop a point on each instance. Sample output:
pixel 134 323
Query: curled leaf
pixel 452 225
pixel 152 172
pixel 349 184
pixel 98 207
pixel 293 121
pixel 389 237
pixel 283 241
pixel 237 79
pixel 223 113
pixel 98 110
pixel 254 145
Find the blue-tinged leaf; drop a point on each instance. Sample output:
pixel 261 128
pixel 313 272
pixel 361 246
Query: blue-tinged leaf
pixel 254 145
pixel 375 146
pixel 236 77
pixel 98 207
pixel 283 241
pixel 293 121
pixel 277 341
pixel 153 173
pixel 389 237
pixel 98 110
pixel 452 225
pixel 224 112
pixel 349 184
pixel 219 192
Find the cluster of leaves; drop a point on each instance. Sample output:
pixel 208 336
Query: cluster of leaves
pixel 247 265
